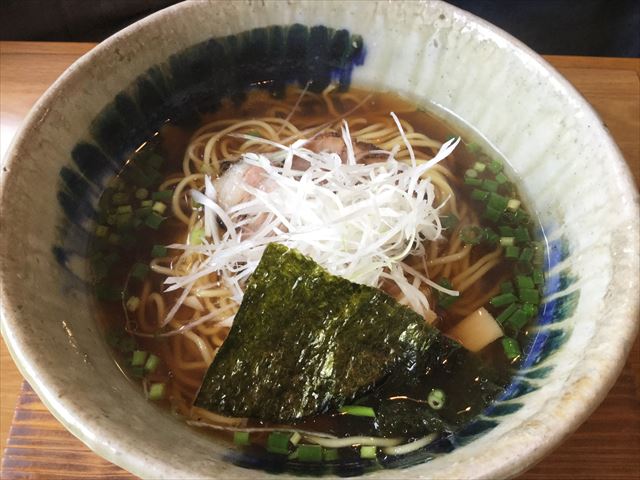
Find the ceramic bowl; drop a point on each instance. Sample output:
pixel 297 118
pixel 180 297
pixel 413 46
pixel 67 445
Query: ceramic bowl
pixel 442 58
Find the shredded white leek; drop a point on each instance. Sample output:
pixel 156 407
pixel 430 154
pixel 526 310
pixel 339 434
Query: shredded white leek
pixel 359 221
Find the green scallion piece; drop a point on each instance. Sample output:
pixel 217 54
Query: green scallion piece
pixel 154 220
pixel 490 185
pixel 152 363
pixel 123 220
pixel 538 277
pixel 523 281
pixel 492 214
pixel 196 236
pixel 142 193
pixel 501 178
pixel 436 399
pixel 358 411
pixel 526 255
pixel 507 313
pixel 137 372
pixel 471 173
pixel 159 207
pixel 278 442
pixel 156 391
pixel 517 319
pixel 159 251
pixel 120 198
pixel 111 220
pixel 513 204
pixel 310 453
pixel 506 231
pixel 506 287
pixel 102 230
pixel 497 201
pixel 241 438
pixel 521 217
pixel 330 454
pixel 473 148
pixel 529 295
pixel 138 357
pixel 124 209
pixel 444 300
pixel 368 451
pixel 490 236
pixel 530 310
pixel 512 252
pixel 162 195
pixel 472 182
pixel 503 299
pixel 143 212
pixel 479 166
pixel 471 235
pixel 449 222
pixel 146 203
pixel 495 166
pixel 522 235
pixel 507 241
pixel 478 194
pixel 511 348
pixel 139 270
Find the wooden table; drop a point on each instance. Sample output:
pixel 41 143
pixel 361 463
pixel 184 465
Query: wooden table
pixel 606 446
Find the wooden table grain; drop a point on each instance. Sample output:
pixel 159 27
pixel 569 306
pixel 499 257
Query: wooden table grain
pixel 607 446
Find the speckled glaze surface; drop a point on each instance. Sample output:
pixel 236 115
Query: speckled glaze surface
pixel 445 60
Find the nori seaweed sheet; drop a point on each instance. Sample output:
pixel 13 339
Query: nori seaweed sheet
pixel 305 341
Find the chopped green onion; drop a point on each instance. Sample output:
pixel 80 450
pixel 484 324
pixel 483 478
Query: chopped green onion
pixel 124 209
pixel 538 253
pixel 159 251
pixel 143 212
pixel 506 287
pixel 137 372
pixel 132 304
pixel 507 313
pixel 471 235
pixel 529 295
pixel 511 348
pixel 490 236
pixel 513 204
pixel 310 453
pixel 506 231
pixel 154 220
pixel 241 438
pixel 146 203
pixel 503 299
pixel 142 193
pixel 506 241
pixel 159 207
pixel 436 399
pixel 529 309
pixel 526 255
pixel 511 252
pixel 162 195
pixel 330 454
pixel 479 166
pixel 139 270
pixel 490 185
pixel 156 391
pixel 138 357
pixel 501 178
pixel 123 220
pixel 449 221
pixel 522 235
pixel 495 166
pixel 152 363
pixel 278 442
pixel 295 438
pixel 471 173
pixel 111 220
pixel 517 320
pixel 102 230
pixel 116 183
pixel 521 217
pixel 538 277
pixel 491 213
pixel 524 282
pixel 478 194
pixel 473 182
pixel 497 201
pixel 120 198
pixel 358 411
pixel 367 451
pixel 473 147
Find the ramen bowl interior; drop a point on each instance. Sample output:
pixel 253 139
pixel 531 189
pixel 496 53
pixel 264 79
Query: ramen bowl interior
pixel 444 60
